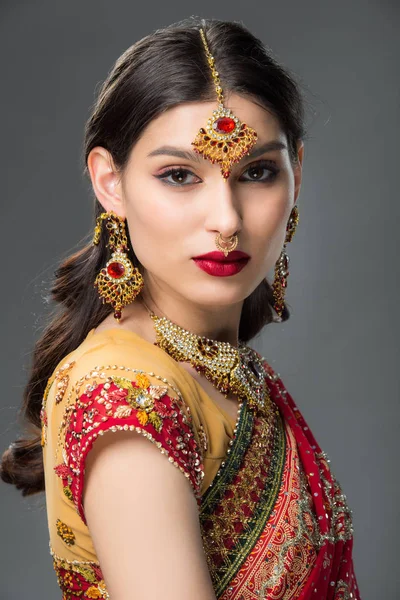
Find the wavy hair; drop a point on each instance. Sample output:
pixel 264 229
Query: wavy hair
pixel 163 69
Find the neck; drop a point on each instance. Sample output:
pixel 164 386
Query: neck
pixel 216 323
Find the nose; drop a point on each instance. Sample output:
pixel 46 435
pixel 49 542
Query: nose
pixel 223 213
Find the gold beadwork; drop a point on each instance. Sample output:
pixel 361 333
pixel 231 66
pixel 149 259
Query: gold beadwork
pixel 224 139
pixel 61 377
pixel 203 437
pixel 76 572
pixel 228 245
pixel 100 371
pixel 232 370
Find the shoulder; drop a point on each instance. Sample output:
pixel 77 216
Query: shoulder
pixel 119 383
pixel 112 355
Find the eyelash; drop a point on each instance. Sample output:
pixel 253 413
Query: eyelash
pixel 265 164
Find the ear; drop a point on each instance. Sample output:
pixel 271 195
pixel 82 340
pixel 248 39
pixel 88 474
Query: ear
pixel 298 170
pixel 106 180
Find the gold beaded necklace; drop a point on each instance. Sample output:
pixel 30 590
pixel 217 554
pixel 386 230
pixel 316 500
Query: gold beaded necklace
pixel 239 371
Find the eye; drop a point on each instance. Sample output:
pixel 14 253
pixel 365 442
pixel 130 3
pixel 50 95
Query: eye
pixel 178 177
pixel 255 171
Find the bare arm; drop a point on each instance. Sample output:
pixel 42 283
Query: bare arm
pixel 143 519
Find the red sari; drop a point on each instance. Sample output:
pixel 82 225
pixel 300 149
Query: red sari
pixel 275 524
pixel 267 552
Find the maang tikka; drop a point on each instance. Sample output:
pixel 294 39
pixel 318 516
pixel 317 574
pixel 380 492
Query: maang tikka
pixel 224 140
pixel 119 282
pixel 282 265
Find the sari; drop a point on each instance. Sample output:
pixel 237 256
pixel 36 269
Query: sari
pixel 274 521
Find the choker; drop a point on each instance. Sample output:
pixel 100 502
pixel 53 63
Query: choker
pixel 239 371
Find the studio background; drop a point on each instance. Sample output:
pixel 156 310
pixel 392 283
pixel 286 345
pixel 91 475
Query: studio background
pixel 338 353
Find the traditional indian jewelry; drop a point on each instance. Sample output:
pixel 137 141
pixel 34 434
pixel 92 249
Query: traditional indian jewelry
pixel 228 245
pixel 279 284
pixel 231 370
pixel 119 282
pixel 224 139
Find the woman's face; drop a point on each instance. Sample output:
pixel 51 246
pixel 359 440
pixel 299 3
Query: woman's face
pixel 175 206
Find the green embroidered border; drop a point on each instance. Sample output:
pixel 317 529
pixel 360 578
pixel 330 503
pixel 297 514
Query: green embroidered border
pixel 225 475
pixel 247 540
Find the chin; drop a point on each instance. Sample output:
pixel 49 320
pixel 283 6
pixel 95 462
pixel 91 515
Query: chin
pixel 218 295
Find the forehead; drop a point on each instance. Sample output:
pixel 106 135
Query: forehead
pixel 179 125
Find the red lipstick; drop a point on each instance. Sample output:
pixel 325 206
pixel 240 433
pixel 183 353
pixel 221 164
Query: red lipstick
pixel 219 265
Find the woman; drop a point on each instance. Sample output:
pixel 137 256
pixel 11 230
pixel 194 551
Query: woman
pixel 194 150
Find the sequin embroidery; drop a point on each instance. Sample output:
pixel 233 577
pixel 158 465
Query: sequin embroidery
pixel 79 579
pixel 121 403
pixel 61 378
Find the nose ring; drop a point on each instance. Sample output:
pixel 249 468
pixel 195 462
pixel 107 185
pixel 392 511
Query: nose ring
pixel 228 245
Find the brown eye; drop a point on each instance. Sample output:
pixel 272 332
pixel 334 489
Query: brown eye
pixel 178 177
pixel 256 172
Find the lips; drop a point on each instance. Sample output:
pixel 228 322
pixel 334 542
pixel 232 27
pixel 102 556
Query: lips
pixel 220 256
pixel 219 265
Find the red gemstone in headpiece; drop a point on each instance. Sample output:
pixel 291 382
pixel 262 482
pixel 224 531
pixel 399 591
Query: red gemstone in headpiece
pixel 224 125
pixel 116 270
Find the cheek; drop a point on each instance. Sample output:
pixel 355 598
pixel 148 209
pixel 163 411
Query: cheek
pixel 268 218
pixel 156 226
pixel 267 222
pixel 154 208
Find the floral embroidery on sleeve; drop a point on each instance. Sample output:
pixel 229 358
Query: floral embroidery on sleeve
pixel 135 403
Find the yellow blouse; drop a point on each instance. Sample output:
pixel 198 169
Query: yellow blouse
pixel 117 380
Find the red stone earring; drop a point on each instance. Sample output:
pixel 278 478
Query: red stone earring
pixel 282 266
pixel 119 282
pixel 224 140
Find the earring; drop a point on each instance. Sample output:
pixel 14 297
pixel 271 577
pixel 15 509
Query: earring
pixel 119 282
pixel 282 266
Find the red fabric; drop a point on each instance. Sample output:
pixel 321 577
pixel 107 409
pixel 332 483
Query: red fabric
pixel 332 576
pixel 334 563
pixel 166 426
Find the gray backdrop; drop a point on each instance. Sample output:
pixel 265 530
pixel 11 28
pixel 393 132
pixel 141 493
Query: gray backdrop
pixel 338 354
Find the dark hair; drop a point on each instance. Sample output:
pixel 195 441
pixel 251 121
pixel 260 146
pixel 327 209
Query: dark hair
pixel 161 70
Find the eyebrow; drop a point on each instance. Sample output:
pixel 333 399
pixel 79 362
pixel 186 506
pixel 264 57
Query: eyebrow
pixel 193 156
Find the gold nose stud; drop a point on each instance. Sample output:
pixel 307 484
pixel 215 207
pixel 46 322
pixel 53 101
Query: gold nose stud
pixel 228 245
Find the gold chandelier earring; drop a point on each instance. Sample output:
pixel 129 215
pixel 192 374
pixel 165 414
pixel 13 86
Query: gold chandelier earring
pixel 282 266
pixel 119 282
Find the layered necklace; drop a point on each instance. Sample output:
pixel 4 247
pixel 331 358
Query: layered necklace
pixel 239 371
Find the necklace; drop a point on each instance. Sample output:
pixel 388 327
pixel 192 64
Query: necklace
pixel 231 370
